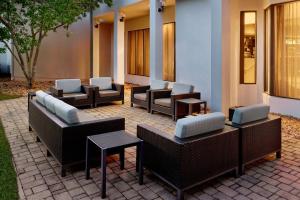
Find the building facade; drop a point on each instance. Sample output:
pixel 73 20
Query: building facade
pixel 222 47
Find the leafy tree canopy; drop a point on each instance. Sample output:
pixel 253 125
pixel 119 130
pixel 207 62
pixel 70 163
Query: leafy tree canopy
pixel 27 22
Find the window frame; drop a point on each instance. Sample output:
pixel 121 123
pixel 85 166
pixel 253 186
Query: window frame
pixel 242 35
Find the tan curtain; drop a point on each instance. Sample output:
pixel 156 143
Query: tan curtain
pixel 131 52
pixel 169 52
pixel 287 50
pixel 138 53
pixel 268 48
pixel 147 52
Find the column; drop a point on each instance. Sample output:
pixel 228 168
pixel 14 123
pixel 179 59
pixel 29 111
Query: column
pixel 119 55
pixel 96 47
pixel 156 40
pixel 216 55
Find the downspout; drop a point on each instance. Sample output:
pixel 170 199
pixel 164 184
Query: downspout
pixel 91 44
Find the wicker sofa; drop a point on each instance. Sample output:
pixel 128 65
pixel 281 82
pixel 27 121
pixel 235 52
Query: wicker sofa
pixel 259 133
pixel 63 129
pixel 203 148
pixel 105 91
pixel 73 92
pixel 165 101
pixel 141 95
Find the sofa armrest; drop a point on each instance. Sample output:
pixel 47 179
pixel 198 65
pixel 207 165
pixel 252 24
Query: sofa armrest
pixel 56 92
pixel 118 87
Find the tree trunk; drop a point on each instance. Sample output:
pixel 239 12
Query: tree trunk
pixel 30 82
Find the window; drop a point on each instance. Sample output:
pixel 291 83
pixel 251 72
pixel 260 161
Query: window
pixel 282 50
pixel 248 48
pixel 138 52
pixel 169 52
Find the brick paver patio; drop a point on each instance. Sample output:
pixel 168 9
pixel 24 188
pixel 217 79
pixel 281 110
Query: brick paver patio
pixel 38 175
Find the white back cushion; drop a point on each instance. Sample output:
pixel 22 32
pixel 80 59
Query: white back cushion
pixel 200 124
pixel 40 97
pixel 68 85
pixel 158 85
pixel 170 85
pixel 251 113
pixel 104 83
pixel 50 103
pixel 66 112
pixel 180 88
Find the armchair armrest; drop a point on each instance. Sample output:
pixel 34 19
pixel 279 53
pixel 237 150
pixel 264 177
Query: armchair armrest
pixel 195 95
pixel 140 89
pixel 87 89
pixel 158 94
pixel 56 92
pixel 118 87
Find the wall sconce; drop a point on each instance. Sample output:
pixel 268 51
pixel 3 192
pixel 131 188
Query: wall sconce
pixel 122 17
pixel 161 7
pixel 98 22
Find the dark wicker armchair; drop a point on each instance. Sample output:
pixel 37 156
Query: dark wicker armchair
pixel 165 102
pixel 107 96
pixel 83 96
pixel 185 163
pixel 258 138
pixel 140 95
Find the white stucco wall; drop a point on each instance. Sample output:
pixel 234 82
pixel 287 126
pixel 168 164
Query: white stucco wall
pixel 193 45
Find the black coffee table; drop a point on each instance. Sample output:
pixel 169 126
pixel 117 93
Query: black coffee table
pixel 114 142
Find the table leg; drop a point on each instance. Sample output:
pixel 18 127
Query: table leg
pixel 103 173
pixel 122 159
pixel 205 108
pixel 190 109
pixel 87 160
pixel 140 162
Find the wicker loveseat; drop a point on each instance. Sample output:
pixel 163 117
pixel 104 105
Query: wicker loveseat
pixel 141 95
pixel 259 133
pixel 63 129
pixel 202 149
pixel 73 92
pixel 105 91
pixel 164 101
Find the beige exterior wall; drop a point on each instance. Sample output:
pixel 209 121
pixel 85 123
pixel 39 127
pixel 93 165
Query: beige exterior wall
pixel 63 57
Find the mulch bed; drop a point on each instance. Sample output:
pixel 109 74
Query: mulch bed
pixel 20 87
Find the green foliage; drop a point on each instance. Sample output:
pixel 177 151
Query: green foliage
pixel 8 180
pixel 27 22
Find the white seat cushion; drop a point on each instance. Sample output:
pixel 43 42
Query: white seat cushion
pixel 50 103
pixel 158 85
pixel 163 102
pixel 251 113
pixel 104 83
pixel 180 88
pixel 201 124
pixel 66 112
pixel 68 85
pixel 40 97
pixel 109 93
pixel 140 96
pixel 77 96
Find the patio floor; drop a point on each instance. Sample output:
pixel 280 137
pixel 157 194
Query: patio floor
pixel 38 175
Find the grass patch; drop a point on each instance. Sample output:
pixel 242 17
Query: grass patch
pixel 8 96
pixel 8 179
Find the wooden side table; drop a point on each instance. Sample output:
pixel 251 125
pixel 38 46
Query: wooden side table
pixel 114 142
pixel 191 102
